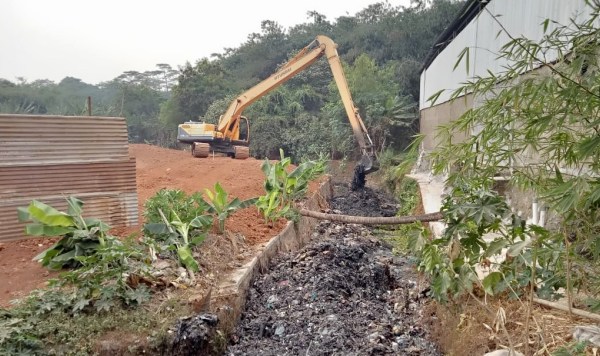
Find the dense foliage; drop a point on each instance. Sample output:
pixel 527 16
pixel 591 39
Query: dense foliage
pixel 284 187
pixel 382 45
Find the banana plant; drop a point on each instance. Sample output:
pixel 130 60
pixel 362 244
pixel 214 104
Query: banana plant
pixel 220 206
pixel 80 236
pixel 283 188
pixel 269 205
pixel 184 251
pixel 178 236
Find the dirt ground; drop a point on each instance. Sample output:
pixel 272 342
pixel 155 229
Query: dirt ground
pixel 18 273
pixel 156 168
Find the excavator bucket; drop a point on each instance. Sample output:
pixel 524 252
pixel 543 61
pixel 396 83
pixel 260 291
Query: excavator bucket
pixel 366 165
pixel 369 164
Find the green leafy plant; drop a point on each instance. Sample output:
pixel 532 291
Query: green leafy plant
pixel 408 197
pixel 80 236
pixel 105 278
pixel 184 227
pixel 103 282
pixel 283 187
pixel 219 205
pixel 17 334
pixel 516 255
pixel 574 348
pixel 187 207
pixel 180 236
pixel 272 207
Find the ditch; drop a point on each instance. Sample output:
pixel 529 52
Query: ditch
pixel 344 293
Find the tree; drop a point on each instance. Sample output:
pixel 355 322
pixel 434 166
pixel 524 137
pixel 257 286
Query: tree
pixel 376 93
pixel 168 76
pixel 394 37
pixel 5 83
pixel 198 86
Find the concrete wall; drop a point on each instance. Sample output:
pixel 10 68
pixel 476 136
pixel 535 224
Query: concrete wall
pixel 48 158
pixel 439 115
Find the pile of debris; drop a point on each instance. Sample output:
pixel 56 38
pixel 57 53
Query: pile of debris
pixel 345 293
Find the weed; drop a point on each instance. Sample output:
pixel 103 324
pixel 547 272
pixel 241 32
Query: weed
pixel 187 207
pixel 572 349
pixel 407 195
pixel 179 236
pixel 26 331
pixel 102 281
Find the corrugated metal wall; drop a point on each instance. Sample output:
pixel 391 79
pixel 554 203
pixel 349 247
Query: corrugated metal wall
pixel 50 157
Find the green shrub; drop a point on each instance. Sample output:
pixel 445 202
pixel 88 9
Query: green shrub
pixel 187 207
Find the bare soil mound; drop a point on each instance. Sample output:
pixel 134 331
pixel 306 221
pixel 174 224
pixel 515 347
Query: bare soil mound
pixel 343 294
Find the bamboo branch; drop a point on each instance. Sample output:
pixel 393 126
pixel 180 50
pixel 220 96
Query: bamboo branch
pixel 366 220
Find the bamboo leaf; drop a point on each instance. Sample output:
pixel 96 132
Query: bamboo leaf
pixel 545 24
pixel 433 98
pixel 463 55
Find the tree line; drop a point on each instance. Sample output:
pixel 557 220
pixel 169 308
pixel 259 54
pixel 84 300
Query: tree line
pixel 382 47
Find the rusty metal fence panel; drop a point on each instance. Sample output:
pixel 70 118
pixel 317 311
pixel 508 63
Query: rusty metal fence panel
pixel 51 157
pixel 31 140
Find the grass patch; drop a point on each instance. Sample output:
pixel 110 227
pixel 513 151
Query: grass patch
pixel 28 330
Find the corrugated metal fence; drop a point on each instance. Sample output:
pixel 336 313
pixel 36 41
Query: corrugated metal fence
pixel 51 157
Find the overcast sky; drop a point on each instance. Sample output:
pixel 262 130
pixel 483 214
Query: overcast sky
pixel 98 40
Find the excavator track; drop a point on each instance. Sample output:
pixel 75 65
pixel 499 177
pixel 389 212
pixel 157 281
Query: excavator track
pixel 200 150
pixel 241 152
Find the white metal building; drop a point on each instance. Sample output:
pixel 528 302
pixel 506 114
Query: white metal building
pixel 479 27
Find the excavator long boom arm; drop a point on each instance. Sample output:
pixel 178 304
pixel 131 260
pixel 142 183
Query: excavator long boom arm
pixel 321 46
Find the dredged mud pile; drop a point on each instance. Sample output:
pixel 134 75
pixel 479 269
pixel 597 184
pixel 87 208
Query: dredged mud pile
pixel 342 294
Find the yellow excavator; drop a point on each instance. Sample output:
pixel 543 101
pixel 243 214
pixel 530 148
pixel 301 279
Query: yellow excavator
pixel 232 134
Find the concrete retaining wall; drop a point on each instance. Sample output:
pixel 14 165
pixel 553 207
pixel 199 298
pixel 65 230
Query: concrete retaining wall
pixel 442 114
